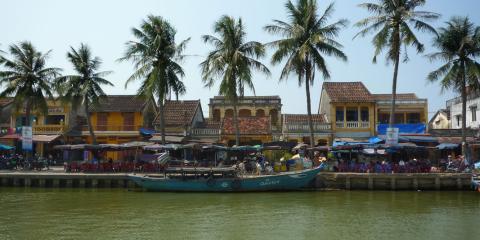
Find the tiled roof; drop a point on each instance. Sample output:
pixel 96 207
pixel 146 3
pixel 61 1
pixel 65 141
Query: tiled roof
pixel 400 96
pixel 303 118
pixel 247 125
pixel 347 92
pixel 119 103
pixel 5 101
pixel 179 113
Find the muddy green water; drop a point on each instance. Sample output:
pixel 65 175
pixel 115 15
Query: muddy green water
pixel 122 214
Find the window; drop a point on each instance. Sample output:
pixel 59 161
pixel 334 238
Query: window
pixel 413 118
pixel 339 114
pixel 383 118
pixel 352 114
pixel 459 119
pixel 474 113
pixel 54 119
pixel 102 121
pixel 399 118
pixel 128 121
pixel 364 114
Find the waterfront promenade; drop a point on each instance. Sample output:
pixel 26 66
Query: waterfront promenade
pixel 57 178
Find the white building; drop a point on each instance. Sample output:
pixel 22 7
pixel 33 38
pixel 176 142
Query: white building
pixel 473 116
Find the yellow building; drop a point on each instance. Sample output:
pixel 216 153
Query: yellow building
pixel 49 128
pixel 350 108
pixel 118 119
pixel 356 113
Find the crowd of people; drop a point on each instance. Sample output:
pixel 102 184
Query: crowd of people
pixel 413 165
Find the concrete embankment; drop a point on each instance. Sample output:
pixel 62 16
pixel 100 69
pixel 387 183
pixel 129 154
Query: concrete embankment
pixel 346 181
pixel 398 181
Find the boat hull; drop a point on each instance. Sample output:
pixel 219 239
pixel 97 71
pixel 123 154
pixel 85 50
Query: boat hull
pixel 281 182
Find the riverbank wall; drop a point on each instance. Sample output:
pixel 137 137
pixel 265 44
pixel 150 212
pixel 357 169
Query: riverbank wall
pixel 324 180
pixel 395 182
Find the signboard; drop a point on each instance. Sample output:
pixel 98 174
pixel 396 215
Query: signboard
pixel 27 138
pixel 392 136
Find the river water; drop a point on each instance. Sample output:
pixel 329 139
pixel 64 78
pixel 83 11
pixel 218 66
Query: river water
pixel 121 214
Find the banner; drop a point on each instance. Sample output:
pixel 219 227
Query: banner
pixel 392 136
pixel 27 138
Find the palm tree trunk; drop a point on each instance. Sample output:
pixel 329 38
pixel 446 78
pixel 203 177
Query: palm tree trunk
pixel 396 44
pixel 162 119
pixel 28 154
pixel 464 111
pixel 89 123
pixel 235 121
pixel 309 104
pixel 394 91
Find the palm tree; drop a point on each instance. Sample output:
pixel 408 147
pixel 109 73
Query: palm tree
pixel 84 87
pixel 393 22
pixel 307 39
pixel 459 49
pixel 232 61
pixel 156 58
pixel 27 78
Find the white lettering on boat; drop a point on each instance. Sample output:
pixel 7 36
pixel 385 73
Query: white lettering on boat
pixel 224 184
pixel 268 182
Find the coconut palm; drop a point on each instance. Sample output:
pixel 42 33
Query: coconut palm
pixel 393 22
pixel 459 49
pixel 232 61
pixel 307 39
pixel 84 88
pixel 27 78
pixel 156 58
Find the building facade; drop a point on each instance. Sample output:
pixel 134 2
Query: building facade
pixel 472 117
pixel 349 107
pixel 295 128
pixel 356 113
pixel 181 117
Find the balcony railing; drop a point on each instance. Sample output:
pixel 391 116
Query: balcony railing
pixel 116 128
pixel 48 129
pixel 305 127
pixel 205 132
pixel 353 124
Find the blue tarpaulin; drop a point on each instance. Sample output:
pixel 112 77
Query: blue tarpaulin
pixel 417 128
pixel 5 147
pixel 147 132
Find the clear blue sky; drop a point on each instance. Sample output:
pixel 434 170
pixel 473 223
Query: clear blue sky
pixel 105 26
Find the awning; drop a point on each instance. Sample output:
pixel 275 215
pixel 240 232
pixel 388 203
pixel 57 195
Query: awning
pixel 447 146
pixel 135 144
pixel 172 139
pixel 11 136
pixel 44 138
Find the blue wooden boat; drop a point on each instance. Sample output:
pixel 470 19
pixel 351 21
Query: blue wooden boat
pixel 223 180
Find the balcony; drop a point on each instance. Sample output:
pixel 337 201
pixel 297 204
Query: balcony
pixel 321 127
pixel 205 132
pixel 48 129
pixel 352 124
pixel 113 128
